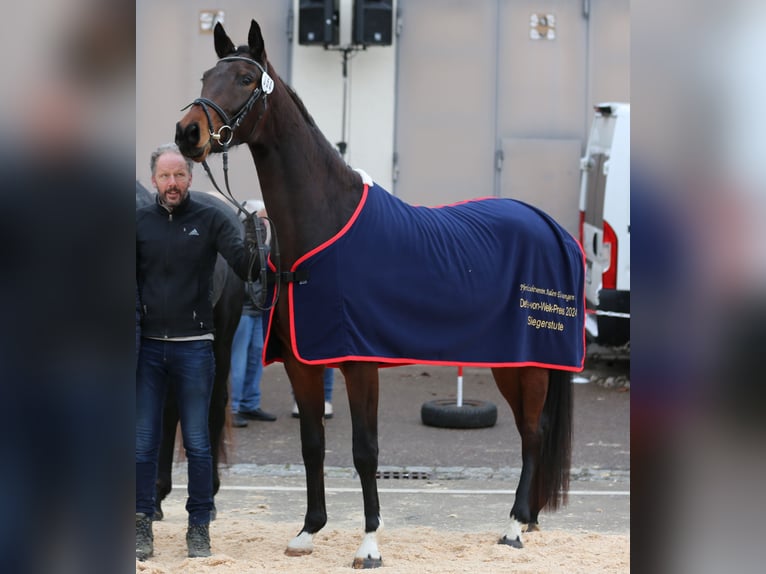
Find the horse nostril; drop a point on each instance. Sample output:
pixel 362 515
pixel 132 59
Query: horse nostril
pixel 179 134
pixel 187 136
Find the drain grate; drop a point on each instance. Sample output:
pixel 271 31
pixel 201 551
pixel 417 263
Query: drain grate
pixel 404 474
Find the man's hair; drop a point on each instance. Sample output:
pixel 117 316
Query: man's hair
pixel 167 148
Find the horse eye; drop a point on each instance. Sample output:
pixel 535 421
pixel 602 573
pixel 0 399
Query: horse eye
pixel 247 80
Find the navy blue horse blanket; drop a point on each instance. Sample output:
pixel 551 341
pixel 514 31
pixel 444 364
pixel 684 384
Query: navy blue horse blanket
pixel 489 282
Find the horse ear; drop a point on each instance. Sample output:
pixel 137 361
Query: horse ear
pixel 255 41
pixel 223 45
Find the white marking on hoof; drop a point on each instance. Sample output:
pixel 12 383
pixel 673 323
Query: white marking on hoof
pixel 300 545
pixel 368 555
pixel 512 536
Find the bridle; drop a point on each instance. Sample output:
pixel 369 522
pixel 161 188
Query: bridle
pixel 232 124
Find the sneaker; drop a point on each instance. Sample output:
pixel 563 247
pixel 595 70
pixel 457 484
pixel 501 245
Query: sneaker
pixel 144 537
pixel 328 413
pixel 238 421
pixel 198 540
pixel 258 415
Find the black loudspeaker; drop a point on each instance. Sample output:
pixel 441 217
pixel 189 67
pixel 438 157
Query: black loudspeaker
pixel 318 23
pixel 373 22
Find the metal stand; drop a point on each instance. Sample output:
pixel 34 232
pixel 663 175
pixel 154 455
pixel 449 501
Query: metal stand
pixel 346 51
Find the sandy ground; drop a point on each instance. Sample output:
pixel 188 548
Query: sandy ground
pixel 244 546
pixel 245 541
pixel 423 533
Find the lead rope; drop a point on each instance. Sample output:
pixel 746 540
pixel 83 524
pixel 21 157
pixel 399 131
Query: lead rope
pixel 260 248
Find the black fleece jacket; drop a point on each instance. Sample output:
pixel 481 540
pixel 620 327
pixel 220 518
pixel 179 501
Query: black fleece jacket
pixel 175 257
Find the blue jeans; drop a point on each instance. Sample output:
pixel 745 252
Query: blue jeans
pixel 329 379
pixel 188 368
pixel 246 364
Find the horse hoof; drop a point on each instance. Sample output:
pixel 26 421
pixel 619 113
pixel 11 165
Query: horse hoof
pixel 300 545
pixel 158 514
pixel 297 551
pixel 533 527
pixel 514 542
pixel 369 562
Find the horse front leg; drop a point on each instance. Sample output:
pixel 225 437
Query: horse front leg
pixel 362 387
pixel 308 390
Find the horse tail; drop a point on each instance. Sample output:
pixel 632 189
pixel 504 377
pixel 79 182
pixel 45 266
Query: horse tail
pixel 556 450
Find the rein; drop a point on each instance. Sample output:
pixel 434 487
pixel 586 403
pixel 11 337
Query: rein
pixel 232 124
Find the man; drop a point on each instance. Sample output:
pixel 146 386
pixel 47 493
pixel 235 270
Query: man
pixel 177 242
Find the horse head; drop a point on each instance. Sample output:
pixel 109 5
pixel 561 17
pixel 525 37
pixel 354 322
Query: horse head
pixel 233 97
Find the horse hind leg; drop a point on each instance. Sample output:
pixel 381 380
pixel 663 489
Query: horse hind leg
pixel 542 402
pixel 525 390
pixel 538 498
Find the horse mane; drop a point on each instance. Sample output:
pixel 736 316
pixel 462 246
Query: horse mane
pixel 325 144
pixel 244 50
pixel 301 106
pixel 330 151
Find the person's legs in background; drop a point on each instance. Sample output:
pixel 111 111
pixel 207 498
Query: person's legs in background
pixel 329 379
pixel 239 349
pixel 250 392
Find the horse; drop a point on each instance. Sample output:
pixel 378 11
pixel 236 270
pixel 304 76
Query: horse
pixel 228 296
pixel 323 210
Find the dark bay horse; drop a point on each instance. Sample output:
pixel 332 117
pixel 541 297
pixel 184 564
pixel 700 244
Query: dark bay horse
pixel 228 295
pixel 316 201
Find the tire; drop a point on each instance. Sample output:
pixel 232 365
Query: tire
pixel 445 413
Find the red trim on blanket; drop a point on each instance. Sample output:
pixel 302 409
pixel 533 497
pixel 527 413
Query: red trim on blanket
pixel 273 269
pixel 323 246
pixel 388 362
pixel 584 306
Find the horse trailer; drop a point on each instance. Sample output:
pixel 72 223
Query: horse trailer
pixel 605 224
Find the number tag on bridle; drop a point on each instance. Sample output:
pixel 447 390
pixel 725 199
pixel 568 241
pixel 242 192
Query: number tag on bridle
pixel 267 84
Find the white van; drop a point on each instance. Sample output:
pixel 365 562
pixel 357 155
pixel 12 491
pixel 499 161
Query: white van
pixel 605 224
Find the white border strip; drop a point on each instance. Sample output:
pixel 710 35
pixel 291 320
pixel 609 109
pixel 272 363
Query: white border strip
pixel 411 490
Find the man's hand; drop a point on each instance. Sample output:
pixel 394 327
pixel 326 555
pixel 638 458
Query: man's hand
pixel 251 232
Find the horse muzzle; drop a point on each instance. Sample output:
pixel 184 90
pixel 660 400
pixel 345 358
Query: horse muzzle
pixel 189 141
